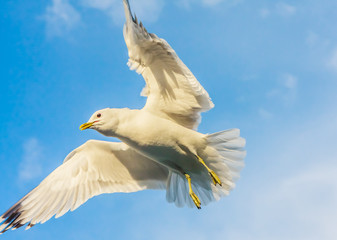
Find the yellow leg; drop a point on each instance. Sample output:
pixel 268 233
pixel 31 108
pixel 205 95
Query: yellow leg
pixel 192 194
pixel 215 178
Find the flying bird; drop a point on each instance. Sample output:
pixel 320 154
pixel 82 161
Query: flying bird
pixel 160 147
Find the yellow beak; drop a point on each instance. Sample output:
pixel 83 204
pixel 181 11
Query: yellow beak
pixel 86 125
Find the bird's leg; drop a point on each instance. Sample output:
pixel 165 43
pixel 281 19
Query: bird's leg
pixel 194 197
pixel 215 178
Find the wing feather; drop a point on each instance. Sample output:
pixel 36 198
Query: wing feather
pixel 94 168
pixel 172 90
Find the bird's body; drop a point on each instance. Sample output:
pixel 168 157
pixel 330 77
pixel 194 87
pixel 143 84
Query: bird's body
pixel 160 147
pixel 160 139
pixel 179 149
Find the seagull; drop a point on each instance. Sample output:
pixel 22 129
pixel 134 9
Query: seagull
pixel 159 149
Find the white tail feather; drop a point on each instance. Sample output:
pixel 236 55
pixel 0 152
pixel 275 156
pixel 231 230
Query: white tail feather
pixel 229 146
pixel 224 155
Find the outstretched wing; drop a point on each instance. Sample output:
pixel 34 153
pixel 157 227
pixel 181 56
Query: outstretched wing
pixel 172 90
pixel 94 168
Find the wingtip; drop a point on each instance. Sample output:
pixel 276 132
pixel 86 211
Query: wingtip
pixel 29 226
pixel 127 9
pixel 3 227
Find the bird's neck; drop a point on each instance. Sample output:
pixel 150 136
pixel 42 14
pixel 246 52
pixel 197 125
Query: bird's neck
pixel 117 123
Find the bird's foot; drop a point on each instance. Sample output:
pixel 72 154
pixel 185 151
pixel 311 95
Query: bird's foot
pixel 215 178
pixel 196 200
pixel 194 197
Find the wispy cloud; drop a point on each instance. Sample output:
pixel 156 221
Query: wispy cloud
pixel 264 12
pixel 285 94
pixel 281 9
pixel 285 9
pixel 61 17
pixel 290 81
pixel 312 39
pixel 30 166
pixel 112 8
pixel 264 114
pixel 208 3
pixel 332 62
pixel 146 10
pixel 211 2
pixel 287 89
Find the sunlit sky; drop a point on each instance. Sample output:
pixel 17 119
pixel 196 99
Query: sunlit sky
pixel 269 66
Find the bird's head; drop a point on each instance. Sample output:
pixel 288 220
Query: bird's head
pixel 104 121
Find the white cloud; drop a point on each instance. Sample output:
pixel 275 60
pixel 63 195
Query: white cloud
pixel 208 3
pixel 146 10
pixel 30 166
pixel 211 2
pixel 290 81
pixel 281 8
pixel 287 89
pixel 184 3
pixel 265 114
pixel 113 8
pixel 100 4
pixel 61 18
pixel 332 63
pixel 264 12
pixel 285 9
pixel 312 39
pixel 241 99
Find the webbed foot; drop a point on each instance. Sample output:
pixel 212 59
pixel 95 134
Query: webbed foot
pixel 194 197
pixel 196 200
pixel 215 178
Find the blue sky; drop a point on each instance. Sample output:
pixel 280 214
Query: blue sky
pixel 269 66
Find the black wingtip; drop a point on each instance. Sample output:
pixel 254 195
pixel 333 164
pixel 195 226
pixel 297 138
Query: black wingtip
pixel 11 218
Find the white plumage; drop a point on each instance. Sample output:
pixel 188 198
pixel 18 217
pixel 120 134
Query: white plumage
pixel 160 149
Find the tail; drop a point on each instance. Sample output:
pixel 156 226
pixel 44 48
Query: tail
pixel 224 154
pixel 230 153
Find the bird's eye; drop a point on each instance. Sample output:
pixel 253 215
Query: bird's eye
pixel 99 115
